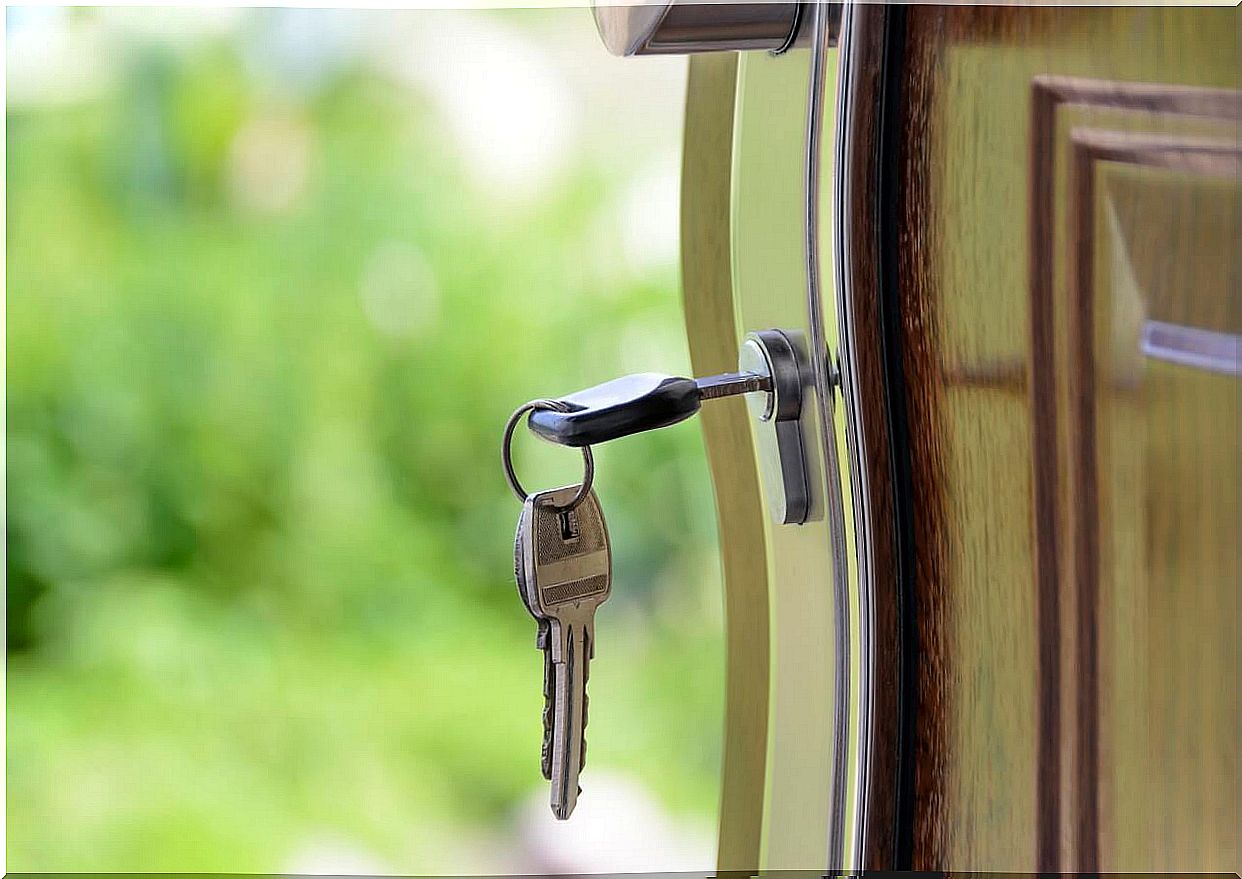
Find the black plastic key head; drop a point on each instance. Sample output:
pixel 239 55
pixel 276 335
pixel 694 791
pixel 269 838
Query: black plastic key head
pixel 618 408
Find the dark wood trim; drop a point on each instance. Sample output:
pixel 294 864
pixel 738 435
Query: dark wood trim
pixel 1046 466
pixel 902 374
pixel 887 842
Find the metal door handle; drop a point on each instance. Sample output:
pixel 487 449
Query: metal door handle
pixel 684 28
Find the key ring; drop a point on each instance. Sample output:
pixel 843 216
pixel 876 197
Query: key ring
pixel 588 461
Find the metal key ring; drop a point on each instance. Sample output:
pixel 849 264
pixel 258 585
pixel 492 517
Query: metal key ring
pixel 588 461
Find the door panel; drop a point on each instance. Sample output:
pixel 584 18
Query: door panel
pixel 1066 187
pixel 1034 630
pixel 1159 570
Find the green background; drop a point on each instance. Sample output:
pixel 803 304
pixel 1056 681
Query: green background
pixel 265 321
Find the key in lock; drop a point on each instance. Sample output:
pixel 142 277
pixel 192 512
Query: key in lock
pixel 774 370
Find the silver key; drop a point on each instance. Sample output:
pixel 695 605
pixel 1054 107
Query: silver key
pixel 521 551
pixel 567 575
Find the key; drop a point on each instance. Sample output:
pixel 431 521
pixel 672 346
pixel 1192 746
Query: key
pixel 637 403
pixel 521 550
pixel 567 575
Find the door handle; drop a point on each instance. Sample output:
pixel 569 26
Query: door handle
pixel 684 28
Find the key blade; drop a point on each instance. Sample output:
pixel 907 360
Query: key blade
pixel 568 717
pixel 729 384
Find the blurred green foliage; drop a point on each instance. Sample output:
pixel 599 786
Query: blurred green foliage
pixel 259 549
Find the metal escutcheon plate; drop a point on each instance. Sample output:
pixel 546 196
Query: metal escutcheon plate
pixel 783 447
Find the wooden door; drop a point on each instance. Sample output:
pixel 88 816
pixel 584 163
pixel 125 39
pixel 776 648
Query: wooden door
pixel 1056 264
pixel 1034 218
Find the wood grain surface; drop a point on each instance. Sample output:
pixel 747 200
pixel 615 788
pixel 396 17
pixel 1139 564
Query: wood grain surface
pixel 1064 540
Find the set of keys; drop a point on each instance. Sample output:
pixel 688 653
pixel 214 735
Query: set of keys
pixel 562 559
pixel 562 562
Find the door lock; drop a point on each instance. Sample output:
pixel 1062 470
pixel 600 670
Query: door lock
pixel 773 370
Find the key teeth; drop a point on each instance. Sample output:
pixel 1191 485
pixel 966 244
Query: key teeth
pixel 549 704
pixel 586 704
pixel 545 751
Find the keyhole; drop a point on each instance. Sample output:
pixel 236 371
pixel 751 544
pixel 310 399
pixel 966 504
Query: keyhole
pixel 569 525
